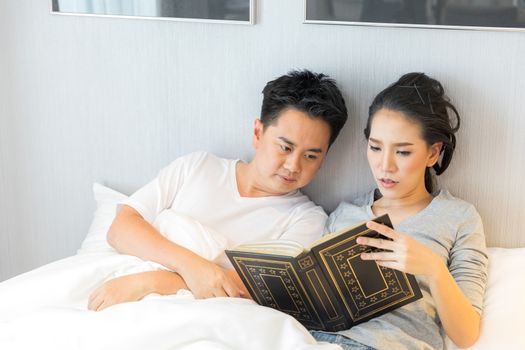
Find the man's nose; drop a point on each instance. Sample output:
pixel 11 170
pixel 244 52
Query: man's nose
pixel 293 163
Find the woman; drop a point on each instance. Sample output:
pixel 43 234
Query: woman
pixel 437 237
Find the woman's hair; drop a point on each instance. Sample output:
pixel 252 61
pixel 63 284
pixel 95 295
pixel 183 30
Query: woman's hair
pixel 423 100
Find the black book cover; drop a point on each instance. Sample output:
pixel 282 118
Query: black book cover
pixel 328 287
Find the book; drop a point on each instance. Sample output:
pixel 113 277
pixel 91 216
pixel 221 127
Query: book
pixel 326 286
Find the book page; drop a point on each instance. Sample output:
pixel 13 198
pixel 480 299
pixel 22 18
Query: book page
pixel 331 235
pixel 274 247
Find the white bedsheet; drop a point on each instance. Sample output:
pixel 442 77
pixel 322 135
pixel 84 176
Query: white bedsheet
pixel 47 309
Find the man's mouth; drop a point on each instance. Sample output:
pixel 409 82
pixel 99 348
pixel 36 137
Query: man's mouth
pixel 287 179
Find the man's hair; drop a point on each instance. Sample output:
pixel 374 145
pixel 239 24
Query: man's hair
pixel 312 93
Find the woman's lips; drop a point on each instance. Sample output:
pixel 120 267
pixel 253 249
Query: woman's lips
pixel 387 183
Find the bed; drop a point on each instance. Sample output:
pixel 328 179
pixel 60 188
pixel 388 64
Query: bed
pixel 46 308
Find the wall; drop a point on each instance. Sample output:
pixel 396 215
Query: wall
pixel 88 99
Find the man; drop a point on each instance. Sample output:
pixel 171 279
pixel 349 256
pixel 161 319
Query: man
pixel 301 116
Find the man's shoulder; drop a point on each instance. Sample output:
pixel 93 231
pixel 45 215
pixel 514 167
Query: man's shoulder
pixel 302 205
pixel 199 158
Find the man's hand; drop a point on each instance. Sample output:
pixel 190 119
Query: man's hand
pixel 237 279
pixel 116 291
pixel 206 279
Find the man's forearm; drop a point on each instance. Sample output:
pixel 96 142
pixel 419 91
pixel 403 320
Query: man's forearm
pixel 131 234
pixel 162 282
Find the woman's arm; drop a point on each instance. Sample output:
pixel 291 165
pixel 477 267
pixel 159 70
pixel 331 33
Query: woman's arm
pixel 458 317
pixel 131 234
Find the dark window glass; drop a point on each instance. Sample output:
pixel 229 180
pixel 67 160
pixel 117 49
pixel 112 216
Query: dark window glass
pixel 477 13
pixel 229 10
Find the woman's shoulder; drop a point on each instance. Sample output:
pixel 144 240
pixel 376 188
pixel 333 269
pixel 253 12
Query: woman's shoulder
pixel 349 213
pixel 445 200
pixel 359 201
pixel 453 210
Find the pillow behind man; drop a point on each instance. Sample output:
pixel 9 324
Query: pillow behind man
pixel 106 208
pixel 178 228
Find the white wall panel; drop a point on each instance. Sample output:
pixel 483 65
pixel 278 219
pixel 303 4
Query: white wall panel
pixel 87 99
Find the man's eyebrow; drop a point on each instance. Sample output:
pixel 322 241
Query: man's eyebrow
pixel 395 144
pixel 289 142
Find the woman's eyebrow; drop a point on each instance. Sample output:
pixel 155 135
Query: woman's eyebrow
pixel 395 144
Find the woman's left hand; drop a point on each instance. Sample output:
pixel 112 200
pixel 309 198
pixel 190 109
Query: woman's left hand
pixel 402 253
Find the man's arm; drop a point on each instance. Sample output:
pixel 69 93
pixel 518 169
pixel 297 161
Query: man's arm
pixel 131 234
pixel 134 287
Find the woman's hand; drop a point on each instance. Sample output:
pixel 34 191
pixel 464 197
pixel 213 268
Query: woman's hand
pixel 117 291
pixel 206 279
pixel 459 319
pixel 402 253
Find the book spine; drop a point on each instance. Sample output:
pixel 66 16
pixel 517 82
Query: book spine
pixel 325 302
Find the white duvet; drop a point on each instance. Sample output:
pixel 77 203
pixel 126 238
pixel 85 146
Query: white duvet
pixel 47 309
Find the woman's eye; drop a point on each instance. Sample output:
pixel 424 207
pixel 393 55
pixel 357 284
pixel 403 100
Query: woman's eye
pixel 374 148
pixel 403 153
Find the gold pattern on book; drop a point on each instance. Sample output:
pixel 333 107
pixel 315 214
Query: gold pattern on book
pixel 306 262
pixel 260 277
pixel 341 260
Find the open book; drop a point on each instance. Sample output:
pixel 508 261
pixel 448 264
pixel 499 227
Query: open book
pixel 326 286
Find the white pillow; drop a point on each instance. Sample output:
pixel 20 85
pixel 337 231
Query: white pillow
pixel 503 315
pixel 107 200
pixel 178 228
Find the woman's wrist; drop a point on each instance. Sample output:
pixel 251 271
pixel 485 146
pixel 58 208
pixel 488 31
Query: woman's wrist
pixel 438 273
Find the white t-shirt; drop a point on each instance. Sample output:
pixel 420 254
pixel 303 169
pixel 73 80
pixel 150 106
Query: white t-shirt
pixel 204 187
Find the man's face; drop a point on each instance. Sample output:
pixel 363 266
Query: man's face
pixel 289 152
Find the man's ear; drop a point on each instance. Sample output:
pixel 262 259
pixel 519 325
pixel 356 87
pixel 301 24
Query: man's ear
pixel 435 152
pixel 258 130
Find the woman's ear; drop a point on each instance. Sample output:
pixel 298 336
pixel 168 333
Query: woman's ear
pixel 258 129
pixel 435 152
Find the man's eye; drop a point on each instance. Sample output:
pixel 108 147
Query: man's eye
pixel 375 148
pixel 285 148
pixel 311 156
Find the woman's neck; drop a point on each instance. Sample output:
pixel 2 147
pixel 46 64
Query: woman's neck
pixel 401 208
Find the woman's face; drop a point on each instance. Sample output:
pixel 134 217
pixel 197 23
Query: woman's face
pixel 398 155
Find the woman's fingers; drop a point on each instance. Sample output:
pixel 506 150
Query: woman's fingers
pixel 383 229
pixel 377 243
pixel 380 256
pixel 390 264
